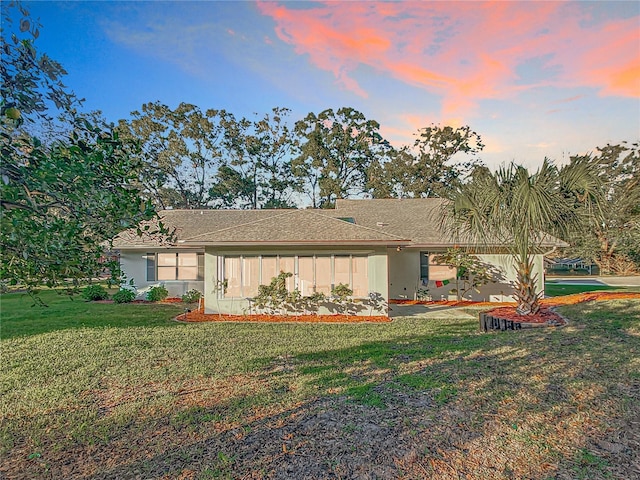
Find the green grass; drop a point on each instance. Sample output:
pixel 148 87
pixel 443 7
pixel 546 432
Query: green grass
pixel 552 289
pixel 22 317
pixel 80 375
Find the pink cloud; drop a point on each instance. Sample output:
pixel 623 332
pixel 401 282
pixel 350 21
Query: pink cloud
pixel 466 51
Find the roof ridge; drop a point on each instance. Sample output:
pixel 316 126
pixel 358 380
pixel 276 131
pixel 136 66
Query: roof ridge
pixel 397 237
pixel 244 224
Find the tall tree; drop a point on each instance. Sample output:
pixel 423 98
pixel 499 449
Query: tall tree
pixel 427 168
pixel 519 209
pixel 257 169
pixel 612 239
pixel 31 89
pixel 337 151
pixel 54 221
pixel 180 151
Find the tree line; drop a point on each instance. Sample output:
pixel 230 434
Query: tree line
pixel 211 159
pixel 194 158
pixel 70 183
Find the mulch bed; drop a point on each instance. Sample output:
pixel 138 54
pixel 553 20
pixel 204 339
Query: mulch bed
pixel 503 310
pixel 547 314
pixel 200 316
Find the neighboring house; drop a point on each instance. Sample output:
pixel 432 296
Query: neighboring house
pixel 563 265
pixel 383 248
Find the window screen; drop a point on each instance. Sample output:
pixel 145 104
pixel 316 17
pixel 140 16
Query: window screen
pixel 151 267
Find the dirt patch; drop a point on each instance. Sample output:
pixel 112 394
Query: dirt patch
pixel 413 437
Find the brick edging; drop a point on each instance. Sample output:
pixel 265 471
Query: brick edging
pixel 490 322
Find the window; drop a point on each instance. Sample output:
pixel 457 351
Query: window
pixel 306 278
pixel 187 266
pixel 151 267
pixel 319 273
pixel 342 270
pixel 360 276
pixel 323 275
pixel 424 267
pixel 269 269
pixel 233 277
pixel 175 266
pixel 288 265
pixel 429 270
pixel 250 276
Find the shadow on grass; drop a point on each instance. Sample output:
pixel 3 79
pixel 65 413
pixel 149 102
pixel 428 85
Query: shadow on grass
pixel 535 400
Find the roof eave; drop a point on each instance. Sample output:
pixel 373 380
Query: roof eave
pixel 267 243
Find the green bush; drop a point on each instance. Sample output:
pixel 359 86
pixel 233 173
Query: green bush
pixel 95 292
pixel 192 296
pixel 124 296
pixel 155 294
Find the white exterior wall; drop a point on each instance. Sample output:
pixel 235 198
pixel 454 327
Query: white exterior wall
pixel 404 273
pixel 507 265
pixel 134 265
pixel 404 277
pixel 214 303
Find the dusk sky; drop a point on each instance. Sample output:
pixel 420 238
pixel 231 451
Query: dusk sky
pixel 533 78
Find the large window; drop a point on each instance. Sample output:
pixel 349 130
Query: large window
pixel 429 270
pixel 306 275
pixel 318 273
pixel 360 276
pixel 169 266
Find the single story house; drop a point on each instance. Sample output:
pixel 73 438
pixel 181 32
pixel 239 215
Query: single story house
pixel 383 248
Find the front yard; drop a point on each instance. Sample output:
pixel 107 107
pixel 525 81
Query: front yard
pixel 120 391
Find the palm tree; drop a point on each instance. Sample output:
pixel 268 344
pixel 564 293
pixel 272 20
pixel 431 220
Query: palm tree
pixel 519 211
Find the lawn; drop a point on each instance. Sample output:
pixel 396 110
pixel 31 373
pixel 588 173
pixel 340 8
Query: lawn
pixel 552 289
pixel 120 391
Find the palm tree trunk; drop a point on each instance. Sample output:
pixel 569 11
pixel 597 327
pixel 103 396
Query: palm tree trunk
pixel 528 299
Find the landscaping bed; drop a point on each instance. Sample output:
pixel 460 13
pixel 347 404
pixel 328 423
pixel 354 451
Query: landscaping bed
pixel 200 316
pixel 502 310
pixel 547 315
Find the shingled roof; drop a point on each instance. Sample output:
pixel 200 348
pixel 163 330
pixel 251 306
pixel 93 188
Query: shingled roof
pixel 419 219
pixel 413 222
pixel 248 227
pixel 295 227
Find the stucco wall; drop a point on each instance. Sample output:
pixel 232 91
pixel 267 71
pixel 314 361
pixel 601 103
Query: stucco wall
pixel 404 277
pixel 404 273
pixel 134 266
pixel 376 266
pixel 505 289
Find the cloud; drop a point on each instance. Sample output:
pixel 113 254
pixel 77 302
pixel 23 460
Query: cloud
pixel 466 52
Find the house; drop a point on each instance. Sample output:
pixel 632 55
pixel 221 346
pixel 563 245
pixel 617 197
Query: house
pixel 380 247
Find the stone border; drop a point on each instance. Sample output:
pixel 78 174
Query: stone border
pixel 489 322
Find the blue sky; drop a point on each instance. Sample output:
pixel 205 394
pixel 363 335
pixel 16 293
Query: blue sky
pixel 534 79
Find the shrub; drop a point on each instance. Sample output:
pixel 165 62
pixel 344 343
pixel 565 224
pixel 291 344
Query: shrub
pixel 273 297
pixel 192 296
pixel 95 292
pixel 155 294
pixel 124 296
pixel 341 296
